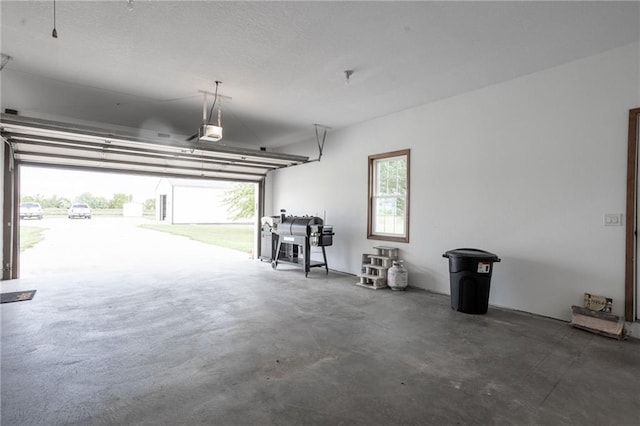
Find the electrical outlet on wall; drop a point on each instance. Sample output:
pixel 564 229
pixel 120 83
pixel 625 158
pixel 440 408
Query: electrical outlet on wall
pixel 612 219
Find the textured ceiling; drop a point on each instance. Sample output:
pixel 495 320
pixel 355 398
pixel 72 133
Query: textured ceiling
pixel 282 63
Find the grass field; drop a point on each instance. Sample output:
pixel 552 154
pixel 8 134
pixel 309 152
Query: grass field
pixel 30 236
pixel 236 237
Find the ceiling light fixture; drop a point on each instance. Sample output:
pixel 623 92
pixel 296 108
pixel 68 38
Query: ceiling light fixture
pixel 130 5
pixel 54 33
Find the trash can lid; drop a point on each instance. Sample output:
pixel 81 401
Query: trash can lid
pixel 472 253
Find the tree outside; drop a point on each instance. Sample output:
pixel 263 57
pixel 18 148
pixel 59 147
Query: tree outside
pixel 116 202
pixel 240 201
pixel 150 204
pixel 119 200
pixel 54 201
pixel 93 201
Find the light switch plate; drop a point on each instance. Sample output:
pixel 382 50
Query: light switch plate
pixel 612 219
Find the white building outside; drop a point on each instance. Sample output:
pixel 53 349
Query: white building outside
pixel 193 201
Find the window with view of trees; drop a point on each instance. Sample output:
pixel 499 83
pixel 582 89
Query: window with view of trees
pixel 388 215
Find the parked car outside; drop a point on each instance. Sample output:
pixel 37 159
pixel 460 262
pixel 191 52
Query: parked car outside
pixel 79 210
pixel 31 210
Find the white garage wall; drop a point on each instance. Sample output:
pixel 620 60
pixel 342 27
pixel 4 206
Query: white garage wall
pixel 525 169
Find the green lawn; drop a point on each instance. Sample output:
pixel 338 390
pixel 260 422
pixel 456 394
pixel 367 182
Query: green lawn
pixel 30 236
pixel 236 237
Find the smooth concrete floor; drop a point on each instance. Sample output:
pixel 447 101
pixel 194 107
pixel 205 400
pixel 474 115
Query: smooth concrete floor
pixel 232 342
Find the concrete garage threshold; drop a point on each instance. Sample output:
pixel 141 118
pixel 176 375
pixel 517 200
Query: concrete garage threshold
pixel 232 342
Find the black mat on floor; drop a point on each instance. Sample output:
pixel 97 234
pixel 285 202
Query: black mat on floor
pixel 18 296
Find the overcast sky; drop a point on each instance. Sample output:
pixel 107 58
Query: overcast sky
pixel 71 183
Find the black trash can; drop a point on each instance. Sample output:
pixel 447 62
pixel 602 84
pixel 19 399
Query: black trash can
pixel 470 273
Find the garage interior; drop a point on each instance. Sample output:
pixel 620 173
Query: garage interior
pixel 521 119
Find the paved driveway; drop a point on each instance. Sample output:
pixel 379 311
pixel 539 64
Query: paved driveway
pixel 111 244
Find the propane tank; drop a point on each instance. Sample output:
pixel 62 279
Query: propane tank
pixel 398 277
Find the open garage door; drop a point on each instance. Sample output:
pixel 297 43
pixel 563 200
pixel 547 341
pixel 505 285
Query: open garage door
pixel 48 143
pixel 52 143
pixel 76 222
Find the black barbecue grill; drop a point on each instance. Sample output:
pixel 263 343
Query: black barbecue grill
pixel 290 238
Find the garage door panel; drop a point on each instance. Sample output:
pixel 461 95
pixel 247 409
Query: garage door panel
pixel 53 143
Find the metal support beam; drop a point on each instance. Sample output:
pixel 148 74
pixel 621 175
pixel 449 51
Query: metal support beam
pixel 260 215
pixel 7 212
pixel 15 259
